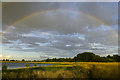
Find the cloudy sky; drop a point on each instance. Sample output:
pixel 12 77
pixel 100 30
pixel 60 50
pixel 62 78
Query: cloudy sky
pixel 59 29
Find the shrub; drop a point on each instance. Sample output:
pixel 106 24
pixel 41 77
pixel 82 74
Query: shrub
pixel 27 65
pixel 35 64
pixel 4 67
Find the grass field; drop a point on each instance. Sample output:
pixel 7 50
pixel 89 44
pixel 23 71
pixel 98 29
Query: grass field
pixel 66 70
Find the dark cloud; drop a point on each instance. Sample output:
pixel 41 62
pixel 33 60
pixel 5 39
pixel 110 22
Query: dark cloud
pixel 63 32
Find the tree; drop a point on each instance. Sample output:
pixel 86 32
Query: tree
pixel 3 59
pixel 85 57
pixel 34 60
pixel 48 60
pixel 54 59
pixel 12 60
pixel 7 59
pixel 116 58
pixel 23 59
pixel 109 56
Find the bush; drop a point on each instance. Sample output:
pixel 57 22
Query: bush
pixel 27 65
pixel 4 67
pixel 35 64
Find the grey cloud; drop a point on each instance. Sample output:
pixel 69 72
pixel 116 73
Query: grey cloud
pixel 59 32
pixel 100 10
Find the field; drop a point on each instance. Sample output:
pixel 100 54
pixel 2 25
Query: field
pixel 66 70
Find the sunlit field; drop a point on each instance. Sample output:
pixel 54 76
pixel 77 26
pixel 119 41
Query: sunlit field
pixel 66 70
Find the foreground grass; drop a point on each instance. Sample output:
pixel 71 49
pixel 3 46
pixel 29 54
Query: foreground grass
pixel 66 70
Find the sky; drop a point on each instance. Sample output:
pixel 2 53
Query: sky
pixel 59 29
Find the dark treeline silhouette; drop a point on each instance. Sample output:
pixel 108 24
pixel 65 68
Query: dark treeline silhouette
pixel 8 60
pixel 86 57
pixel 81 57
pixel 22 60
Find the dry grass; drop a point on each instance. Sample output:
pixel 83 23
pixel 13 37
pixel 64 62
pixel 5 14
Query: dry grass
pixel 67 70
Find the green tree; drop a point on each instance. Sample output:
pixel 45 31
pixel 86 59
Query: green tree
pixel 116 58
pixel 48 60
pixel 12 60
pixel 54 59
pixel 3 59
pixel 23 59
pixel 85 57
pixel 7 59
pixel 34 60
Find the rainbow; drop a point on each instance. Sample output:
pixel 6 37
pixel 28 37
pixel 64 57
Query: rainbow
pixel 45 11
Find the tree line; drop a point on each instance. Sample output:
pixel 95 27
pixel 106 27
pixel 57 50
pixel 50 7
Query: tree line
pixel 86 57
pixel 22 60
pixel 81 57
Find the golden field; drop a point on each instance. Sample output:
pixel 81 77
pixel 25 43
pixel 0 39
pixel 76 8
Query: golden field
pixel 66 70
